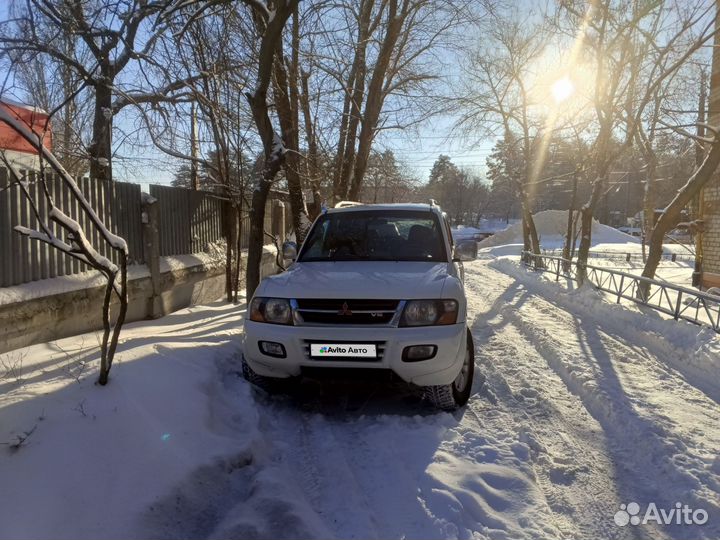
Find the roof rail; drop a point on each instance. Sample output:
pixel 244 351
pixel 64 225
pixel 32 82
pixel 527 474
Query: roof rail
pixel 346 204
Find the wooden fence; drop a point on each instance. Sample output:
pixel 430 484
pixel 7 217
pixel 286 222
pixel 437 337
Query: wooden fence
pixel 187 222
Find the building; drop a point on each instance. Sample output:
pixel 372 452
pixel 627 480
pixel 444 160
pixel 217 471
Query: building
pixel 711 237
pixel 17 150
pixel 709 201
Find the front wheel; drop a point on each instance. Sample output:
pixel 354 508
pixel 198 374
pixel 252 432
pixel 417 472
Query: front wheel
pixel 449 397
pixel 269 384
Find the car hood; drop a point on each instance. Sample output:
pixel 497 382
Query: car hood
pixel 358 279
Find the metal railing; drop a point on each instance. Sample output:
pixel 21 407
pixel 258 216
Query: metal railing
pixel 681 303
pixel 626 257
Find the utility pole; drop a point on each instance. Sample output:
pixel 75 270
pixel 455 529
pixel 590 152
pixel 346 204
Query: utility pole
pixel 70 108
pixel 700 199
pixel 194 150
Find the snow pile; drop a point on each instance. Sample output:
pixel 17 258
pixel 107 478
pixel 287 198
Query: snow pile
pixel 692 350
pixel 170 448
pixel 551 226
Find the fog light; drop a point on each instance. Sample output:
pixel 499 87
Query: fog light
pixel 271 348
pixel 416 353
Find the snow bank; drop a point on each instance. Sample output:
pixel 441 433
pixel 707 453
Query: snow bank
pixel 93 278
pixel 169 448
pixel 63 284
pixel 551 227
pixel 692 350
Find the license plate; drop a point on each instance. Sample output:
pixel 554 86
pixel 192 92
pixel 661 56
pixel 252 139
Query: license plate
pixel 342 350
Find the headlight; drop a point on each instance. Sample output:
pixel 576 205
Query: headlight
pixel 429 312
pixel 271 310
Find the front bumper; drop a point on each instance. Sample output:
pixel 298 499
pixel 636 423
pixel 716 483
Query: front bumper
pixel 443 368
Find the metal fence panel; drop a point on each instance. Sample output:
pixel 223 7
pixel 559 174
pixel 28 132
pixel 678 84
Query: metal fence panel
pixel 188 222
pixel 117 204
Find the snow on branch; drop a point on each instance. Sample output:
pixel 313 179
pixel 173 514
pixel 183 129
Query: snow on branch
pixel 76 244
pixel 36 141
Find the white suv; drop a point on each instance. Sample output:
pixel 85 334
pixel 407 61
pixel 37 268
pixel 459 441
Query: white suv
pixel 373 286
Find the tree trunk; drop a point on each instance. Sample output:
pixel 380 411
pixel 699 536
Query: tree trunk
pixel 569 238
pixel 673 212
pixel 376 96
pixel 100 148
pixel 273 151
pixel 257 234
pixel 287 102
pixel 70 109
pixel 586 219
pixel 238 253
pixel 648 200
pixel 574 235
pixel 352 110
pixel 699 198
pixel 231 241
pixel 312 167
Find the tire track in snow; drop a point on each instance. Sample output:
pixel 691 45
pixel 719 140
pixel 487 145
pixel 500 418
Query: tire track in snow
pixel 524 460
pixel 565 443
pixel 315 461
pixel 623 385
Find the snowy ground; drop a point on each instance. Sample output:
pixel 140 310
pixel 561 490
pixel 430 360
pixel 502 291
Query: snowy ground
pixel 586 406
pixel 610 244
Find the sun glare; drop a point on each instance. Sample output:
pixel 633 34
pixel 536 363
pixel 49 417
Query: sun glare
pixel 562 89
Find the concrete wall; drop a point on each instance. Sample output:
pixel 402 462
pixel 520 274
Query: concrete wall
pixel 54 316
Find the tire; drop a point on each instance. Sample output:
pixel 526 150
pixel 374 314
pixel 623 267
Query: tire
pixel 449 397
pixel 269 384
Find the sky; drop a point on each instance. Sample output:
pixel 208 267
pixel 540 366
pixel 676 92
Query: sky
pixel 416 149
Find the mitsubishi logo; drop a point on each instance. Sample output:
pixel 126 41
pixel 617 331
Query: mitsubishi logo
pixel 345 309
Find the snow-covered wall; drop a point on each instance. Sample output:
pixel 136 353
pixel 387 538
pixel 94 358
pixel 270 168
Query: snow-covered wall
pixel 54 308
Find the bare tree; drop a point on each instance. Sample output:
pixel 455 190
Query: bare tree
pixel 672 213
pixel 286 92
pixel 633 50
pixel 377 60
pixel 108 38
pixel 270 30
pixel 495 100
pixel 76 243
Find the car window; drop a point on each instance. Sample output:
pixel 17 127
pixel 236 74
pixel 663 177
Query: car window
pixel 375 235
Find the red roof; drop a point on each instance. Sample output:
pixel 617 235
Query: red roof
pixel 35 119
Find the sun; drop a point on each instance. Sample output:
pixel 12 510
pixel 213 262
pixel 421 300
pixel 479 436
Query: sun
pixel 562 89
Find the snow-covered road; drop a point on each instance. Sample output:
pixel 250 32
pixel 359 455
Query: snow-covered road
pixel 586 406
pixel 577 417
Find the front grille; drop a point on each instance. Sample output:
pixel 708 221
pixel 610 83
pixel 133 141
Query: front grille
pixel 380 347
pixel 326 311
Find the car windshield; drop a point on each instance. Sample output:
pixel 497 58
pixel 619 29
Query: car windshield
pixel 375 235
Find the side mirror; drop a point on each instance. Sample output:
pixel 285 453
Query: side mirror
pixel 466 250
pixel 289 251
